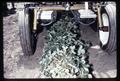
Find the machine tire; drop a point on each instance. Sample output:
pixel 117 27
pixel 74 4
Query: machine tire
pixel 27 39
pixel 110 45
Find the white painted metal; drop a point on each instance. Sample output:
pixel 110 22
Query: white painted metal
pixel 67 6
pixel 86 5
pixel 9 5
pixel 46 15
pixel 87 13
pixel 104 36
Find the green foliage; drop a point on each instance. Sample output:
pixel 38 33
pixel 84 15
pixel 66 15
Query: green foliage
pixel 64 52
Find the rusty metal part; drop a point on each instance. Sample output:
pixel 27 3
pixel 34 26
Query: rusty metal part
pixel 60 7
pixel 104 28
pixel 99 16
pixel 35 19
pixel 52 7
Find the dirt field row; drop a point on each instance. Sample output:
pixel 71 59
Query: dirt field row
pixel 18 66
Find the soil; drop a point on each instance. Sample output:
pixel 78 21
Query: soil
pixel 104 64
pixel 16 65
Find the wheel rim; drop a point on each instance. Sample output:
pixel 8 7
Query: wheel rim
pixel 104 35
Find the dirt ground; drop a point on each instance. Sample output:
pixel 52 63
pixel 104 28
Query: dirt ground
pixel 16 65
pixel 104 64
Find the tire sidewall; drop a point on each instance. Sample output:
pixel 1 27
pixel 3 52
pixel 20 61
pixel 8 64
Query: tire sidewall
pixel 26 37
pixel 112 29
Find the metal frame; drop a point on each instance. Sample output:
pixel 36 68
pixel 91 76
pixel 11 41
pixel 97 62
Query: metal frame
pixel 67 7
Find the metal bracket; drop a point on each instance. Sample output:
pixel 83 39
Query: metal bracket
pixel 99 15
pixel 35 19
pixel 104 28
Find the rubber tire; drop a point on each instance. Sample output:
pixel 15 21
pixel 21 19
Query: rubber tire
pixel 111 44
pixel 26 36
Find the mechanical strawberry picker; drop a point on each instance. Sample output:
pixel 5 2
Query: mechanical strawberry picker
pixel 101 14
pixel 64 52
